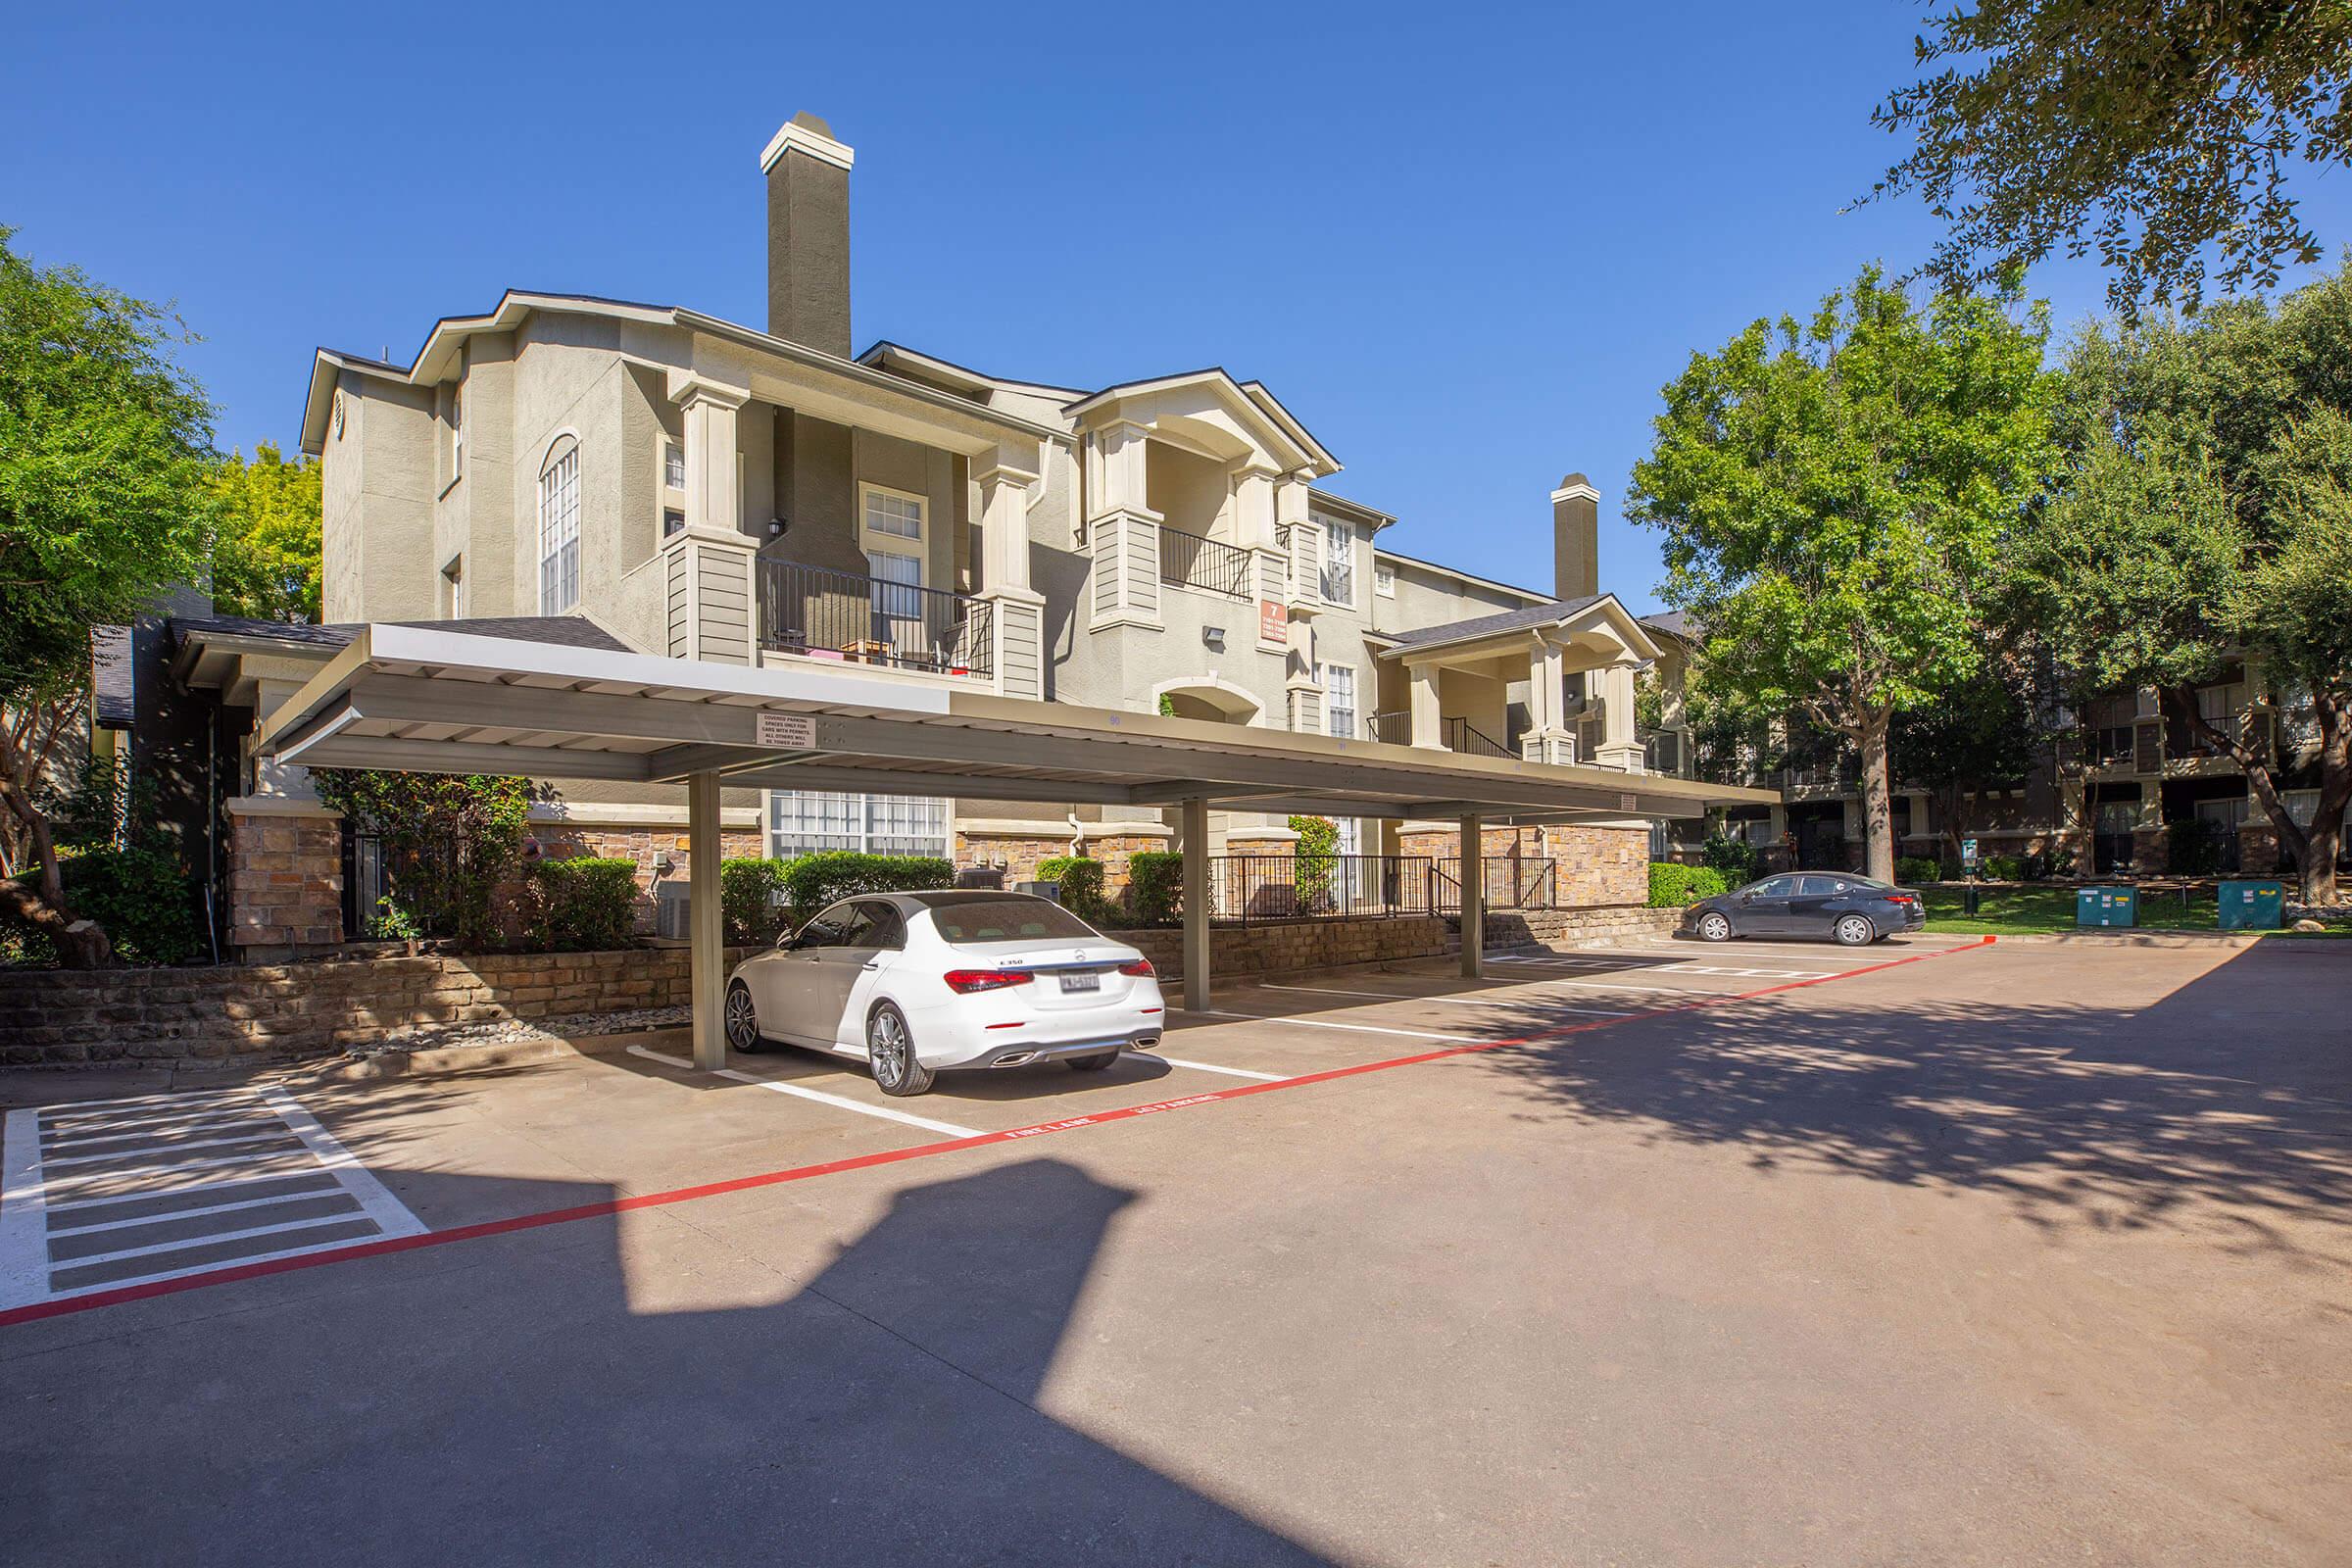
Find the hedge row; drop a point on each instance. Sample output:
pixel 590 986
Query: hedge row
pixel 750 890
pixel 1672 886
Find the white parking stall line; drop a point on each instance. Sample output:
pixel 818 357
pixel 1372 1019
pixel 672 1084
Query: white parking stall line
pixel 837 1102
pixel 1445 1000
pixel 95 1202
pixel 1230 1072
pixel 1326 1023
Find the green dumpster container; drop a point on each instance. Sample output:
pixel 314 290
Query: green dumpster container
pixel 2106 907
pixel 2253 906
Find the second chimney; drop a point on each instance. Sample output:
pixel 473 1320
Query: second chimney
pixel 1576 538
pixel 809 235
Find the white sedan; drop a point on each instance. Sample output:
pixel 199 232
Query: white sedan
pixel 918 983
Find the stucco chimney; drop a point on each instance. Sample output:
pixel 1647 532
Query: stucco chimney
pixel 1576 538
pixel 809 234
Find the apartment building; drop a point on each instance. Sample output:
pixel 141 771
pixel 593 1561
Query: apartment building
pixel 672 482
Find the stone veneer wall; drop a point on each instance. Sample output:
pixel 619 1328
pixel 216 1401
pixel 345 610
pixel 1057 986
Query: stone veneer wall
pixel 1598 866
pixel 1020 854
pixel 253 1012
pixel 285 881
pixel 1292 947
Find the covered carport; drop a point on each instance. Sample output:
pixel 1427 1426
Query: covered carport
pixel 439 699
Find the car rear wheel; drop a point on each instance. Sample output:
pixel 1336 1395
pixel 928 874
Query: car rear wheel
pixel 1855 931
pixel 1092 1063
pixel 890 1052
pixel 742 1020
pixel 1714 927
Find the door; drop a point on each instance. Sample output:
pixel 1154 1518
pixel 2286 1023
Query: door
pixel 876 931
pixel 1763 910
pixel 1816 904
pixel 2111 840
pixel 808 984
pixel 890 530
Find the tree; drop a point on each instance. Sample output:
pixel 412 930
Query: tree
pixel 1834 496
pixel 2154 132
pixel 104 444
pixel 1979 735
pixel 266 544
pixel 2205 519
pixel 449 841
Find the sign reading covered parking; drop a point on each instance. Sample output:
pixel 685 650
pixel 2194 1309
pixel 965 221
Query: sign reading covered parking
pixel 794 730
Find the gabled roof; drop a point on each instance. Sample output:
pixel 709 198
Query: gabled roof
pixel 1533 618
pixel 568 631
pixel 440 352
pixel 885 355
pixel 1250 396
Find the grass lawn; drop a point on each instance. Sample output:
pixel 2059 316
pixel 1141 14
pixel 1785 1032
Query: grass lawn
pixel 2023 912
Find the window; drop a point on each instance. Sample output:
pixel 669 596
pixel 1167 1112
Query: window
pixel 1384 578
pixel 1338 701
pixel 453 588
pixel 1006 920
pixel 457 434
pixel 892 513
pixel 673 465
pixel 1339 562
pixel 560 530
pixel 804 821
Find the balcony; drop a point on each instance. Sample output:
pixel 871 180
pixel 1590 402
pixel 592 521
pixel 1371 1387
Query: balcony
pixel 1391 728
pixel 1460 735
pixel 1212 565
pixel 822 613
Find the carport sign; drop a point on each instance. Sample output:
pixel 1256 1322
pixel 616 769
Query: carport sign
pixel 793 731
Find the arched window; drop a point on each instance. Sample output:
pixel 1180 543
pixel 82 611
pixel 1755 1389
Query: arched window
pixel 560 528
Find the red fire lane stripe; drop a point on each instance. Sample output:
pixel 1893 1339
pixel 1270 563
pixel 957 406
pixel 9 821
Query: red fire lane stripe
pixel 833 1167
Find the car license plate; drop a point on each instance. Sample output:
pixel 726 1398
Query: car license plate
pixel 1089 980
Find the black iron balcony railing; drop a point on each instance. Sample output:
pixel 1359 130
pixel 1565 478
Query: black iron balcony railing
pixel 842 615
pixel 1188 560
pixel 1460 735
pixel 1394 727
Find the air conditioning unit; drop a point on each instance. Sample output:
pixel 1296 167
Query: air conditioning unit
pixel 674 903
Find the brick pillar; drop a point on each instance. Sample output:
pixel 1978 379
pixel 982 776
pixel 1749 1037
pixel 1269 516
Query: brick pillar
pixel 285 883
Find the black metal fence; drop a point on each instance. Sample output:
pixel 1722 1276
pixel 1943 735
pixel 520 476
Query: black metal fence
pixel 813 610
pixel 1189 560
pixel 1463 736
pixel 1245 888
pixel 1394 727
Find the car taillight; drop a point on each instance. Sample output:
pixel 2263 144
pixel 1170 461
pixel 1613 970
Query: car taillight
pixel 963 982
pixel 1900 898
pixel 1141 968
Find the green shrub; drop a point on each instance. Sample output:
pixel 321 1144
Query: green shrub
pixel 2193 847
pixel 583 902
pixel 1316 867
pixel 449 841
pixel 1918 868
pixel 1155 887
pixel 138 894
pixel 813 881
pixel 1081 881
pixel 1673 885
pixel 1735 857
pixel 748 891
pixel 2005 867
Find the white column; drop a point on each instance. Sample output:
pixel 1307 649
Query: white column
pixel 1254 493
pixel 714 484
pixel 1429 728
pixel 1195 904
pixel 1122 444
pixel 1474 896
pixel 1547 739
pixel 706 950
pixel 1619 747
pixel 1004 485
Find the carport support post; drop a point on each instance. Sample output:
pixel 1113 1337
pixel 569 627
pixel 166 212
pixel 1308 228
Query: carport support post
pixel 1195 904
pixel 706 923
pixel 1474 896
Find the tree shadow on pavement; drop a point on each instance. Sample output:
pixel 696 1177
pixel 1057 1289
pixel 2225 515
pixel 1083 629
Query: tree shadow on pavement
pixel 615 1390
pixel 2223 1094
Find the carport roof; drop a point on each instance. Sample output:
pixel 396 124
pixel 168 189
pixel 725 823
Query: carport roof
pixel 444 700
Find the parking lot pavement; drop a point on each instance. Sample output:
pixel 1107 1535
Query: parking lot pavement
pixel 2016 1255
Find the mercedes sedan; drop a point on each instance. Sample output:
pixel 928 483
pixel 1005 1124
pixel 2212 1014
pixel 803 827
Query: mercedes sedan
pixel 914 984
pixel 1837 904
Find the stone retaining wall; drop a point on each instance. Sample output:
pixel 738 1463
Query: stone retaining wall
pixel 1296 946
pixel 253 1012
pixel 260 1013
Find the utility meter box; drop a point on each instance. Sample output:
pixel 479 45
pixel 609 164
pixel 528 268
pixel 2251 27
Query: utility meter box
pixel 2253 906
pixel 2112 906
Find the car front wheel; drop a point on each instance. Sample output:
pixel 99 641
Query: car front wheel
pixel 890 1050
pixel 1855 931
pixel 741 1019
pixel 1714 926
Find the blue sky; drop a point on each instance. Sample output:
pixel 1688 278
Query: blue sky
pixel 1465 244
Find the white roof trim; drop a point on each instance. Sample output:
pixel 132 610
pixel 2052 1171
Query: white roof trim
pixel 796 137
